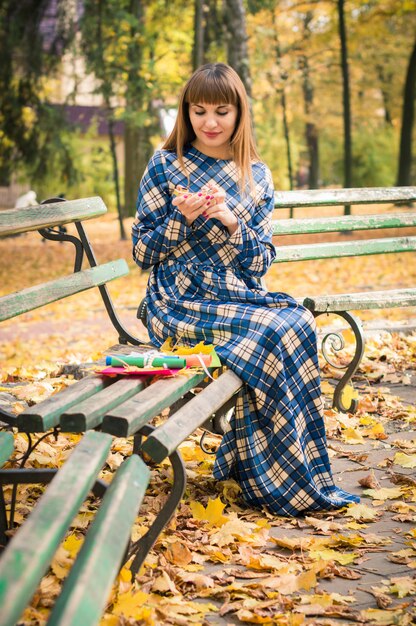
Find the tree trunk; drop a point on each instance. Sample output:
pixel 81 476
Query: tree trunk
pixel 136 155
pixel 131 182
pixel 287 140
pixel 312 141
pixel 106 92
pixel 385 81
pixel 311 131
pixel 408 118
pixel 135 99
pixel 236 38
pixel 345 100
pixel 137 151
pixel 115 173
pixel 213 27
pixel 198 49
pixel 386 103
pixel 286 129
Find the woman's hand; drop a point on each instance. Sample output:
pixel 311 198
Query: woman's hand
pixel 216 207
pixel 209 202
pixel 191 205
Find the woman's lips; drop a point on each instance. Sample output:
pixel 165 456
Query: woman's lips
pixel 211 135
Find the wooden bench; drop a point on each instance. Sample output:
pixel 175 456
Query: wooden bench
pixel 28 555
pixel 342 304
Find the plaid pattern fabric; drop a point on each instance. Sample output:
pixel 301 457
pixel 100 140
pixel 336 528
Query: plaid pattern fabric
pixel 203 286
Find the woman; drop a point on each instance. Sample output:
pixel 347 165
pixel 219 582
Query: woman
pixel 207 248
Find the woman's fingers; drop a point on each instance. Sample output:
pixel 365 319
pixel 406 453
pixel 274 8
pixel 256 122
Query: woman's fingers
pixel 208 202
pixel 177 201
pixel 190 205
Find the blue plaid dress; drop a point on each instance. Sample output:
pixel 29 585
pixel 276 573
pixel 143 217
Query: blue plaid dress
pixel 204 285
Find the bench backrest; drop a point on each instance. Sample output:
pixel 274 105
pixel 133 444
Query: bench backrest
pixel 15 221
pixel 342 197
pixel 350 223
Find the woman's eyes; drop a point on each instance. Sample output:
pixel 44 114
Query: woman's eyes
pixel 222 113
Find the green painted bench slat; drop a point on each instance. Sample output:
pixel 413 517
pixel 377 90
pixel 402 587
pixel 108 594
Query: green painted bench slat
pixel 307 252
pixel 6 447
pixel 339 224
pixel 336 197
pixel 26 558
pixel 13 221
pixel 45 293
pixel 363 300
pixel 45 415
pixel 86 590
pixel 129 417
pixel 165 439
pixel 89 413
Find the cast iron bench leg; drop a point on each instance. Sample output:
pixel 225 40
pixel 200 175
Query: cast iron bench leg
pixel 3 520
pixel 337 343
pixel 141 547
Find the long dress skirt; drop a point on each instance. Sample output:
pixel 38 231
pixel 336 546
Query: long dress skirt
pixel 203 287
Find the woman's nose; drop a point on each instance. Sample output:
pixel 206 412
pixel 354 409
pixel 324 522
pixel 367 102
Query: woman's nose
pixel 211 122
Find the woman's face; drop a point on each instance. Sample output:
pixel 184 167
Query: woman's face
pixel 213 125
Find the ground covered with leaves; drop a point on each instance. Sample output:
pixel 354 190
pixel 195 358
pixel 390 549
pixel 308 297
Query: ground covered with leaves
pixel 220 562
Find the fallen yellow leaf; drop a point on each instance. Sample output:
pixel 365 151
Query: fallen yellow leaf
pixel 239 530
pixel 385 493
pixel 132 605
pixel 345 558
pixel 348 394
pixel 403 586
pixel 405 460
pixel 380 617
pixel 350 435
pixel 73 544
pixel 211 514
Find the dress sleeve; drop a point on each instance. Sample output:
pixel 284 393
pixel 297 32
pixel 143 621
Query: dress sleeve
pixel 253 240
pixel 159 226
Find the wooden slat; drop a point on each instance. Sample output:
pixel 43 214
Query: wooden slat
pixel 26 558
pixel 340 224
pixel 45 415
pixel 6 446
pixel 165 439
pixel 389 298
pixel 335 197
pixel 89 413
pixel 130 416
pixel 13 221
pixel 307 252
pixel 45 293
pixel 86 590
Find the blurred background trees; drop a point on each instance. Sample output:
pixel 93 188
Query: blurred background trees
pixel 88 88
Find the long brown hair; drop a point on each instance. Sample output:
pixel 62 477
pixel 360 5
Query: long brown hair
pixel 216 83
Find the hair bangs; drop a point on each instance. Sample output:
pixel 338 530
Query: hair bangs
pixel 211 89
